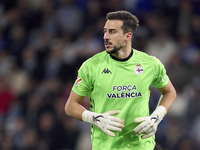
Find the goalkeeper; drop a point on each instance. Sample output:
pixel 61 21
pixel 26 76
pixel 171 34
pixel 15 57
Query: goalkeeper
pixel 118 82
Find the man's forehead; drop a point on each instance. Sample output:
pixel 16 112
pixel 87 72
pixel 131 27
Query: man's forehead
pixel 113 24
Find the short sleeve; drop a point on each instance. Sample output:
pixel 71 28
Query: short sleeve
pixel 83 84
pixel 160 77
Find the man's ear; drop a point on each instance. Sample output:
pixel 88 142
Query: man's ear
pixel 128 37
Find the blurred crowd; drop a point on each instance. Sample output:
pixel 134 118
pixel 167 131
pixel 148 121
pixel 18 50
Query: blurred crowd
pixel 44 42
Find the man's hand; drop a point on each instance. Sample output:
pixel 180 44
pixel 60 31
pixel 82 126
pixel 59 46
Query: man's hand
pixel 105 121
pixel 148 125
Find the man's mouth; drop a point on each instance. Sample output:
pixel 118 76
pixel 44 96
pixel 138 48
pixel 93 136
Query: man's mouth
pixel 107 44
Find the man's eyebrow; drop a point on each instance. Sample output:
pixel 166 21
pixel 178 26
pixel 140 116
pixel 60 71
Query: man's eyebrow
pixel 112 29
pixel 109 29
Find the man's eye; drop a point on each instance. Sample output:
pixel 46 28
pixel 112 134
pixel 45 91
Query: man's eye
pixel 112 31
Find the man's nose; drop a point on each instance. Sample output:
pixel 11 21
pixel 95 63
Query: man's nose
pixel 106 36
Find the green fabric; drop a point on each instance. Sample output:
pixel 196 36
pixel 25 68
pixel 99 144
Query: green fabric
pixel 120 85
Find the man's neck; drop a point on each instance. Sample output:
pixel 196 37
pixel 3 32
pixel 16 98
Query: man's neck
pixel 123 53
pixel 124 59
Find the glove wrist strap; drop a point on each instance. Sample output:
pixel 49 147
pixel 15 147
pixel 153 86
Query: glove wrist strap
pixel 159 113
pixel 87 116
pixel 161 110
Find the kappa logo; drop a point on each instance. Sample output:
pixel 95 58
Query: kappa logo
pixel 106 71
pixel 138 69
pixel 78 81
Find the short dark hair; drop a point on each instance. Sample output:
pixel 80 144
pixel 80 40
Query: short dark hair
pixel 130 21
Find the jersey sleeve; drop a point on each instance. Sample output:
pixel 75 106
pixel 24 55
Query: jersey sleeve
pixel 83 83
pixel 160 77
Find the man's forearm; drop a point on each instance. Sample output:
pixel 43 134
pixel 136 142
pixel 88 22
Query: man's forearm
pixel 167 100
pixel 73 108
pixel 168 96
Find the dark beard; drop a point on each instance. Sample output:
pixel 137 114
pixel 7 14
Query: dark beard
pixel 115 50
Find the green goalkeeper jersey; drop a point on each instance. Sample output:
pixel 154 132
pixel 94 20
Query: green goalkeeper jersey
pixel 124 85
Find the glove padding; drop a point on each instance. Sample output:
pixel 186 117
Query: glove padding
pixel 148 125
pixel 105 121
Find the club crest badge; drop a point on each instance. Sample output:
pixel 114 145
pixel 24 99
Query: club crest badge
pixel 138 69
pixel 78 81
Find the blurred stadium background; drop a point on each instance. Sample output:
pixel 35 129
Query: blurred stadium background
pixel 44 42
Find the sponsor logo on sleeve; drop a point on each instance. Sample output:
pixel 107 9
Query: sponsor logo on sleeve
pixel 78 80
pixel 163 80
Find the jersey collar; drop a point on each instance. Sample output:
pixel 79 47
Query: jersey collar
pixel 125 59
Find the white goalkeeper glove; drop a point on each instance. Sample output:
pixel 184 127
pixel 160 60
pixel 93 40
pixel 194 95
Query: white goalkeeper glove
pixel 105 121
pixel 148 125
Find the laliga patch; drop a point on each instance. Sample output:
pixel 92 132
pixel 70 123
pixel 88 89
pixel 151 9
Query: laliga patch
pixel 163 80
pixel 78 80
pixel 138 69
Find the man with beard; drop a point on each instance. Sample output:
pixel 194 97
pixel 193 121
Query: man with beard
pixel 118 82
